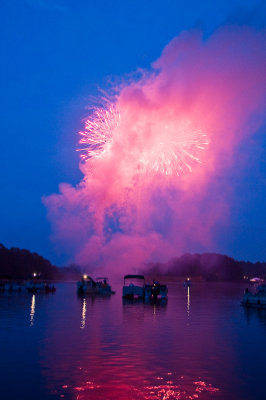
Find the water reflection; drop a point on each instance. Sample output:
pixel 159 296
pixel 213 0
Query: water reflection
pixel 188 301
pixel 172 388
pixel 167 387
pixel 252 313
pixel 142 310
pixel 32 310
pixel 83 315
pixel 151 304
pixel 99 348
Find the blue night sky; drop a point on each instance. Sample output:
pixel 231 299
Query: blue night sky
pixel 55 54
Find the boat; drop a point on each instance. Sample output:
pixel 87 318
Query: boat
pixel 12 286
pixel 35 285
pixel 103 286
pixel 40 287
pixel 256 281
pixel 134 286
pixel 99 286
pixel 31 286
pixel 187 282
pixel 155 291
pixel 256 299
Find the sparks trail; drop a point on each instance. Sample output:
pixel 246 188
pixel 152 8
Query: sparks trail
pixel 173 147
pixel 177 155
pixel 98 133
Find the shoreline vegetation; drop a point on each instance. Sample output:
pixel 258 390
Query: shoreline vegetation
pixel 212 267
pixel 20 264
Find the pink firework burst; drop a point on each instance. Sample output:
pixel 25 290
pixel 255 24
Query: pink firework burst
pixel 161 145
pixel 176 151
pixel 97 136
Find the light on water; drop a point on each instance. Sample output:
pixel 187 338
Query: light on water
pixel 32 310
pixel 200 344
pixel 188 302
pixel 83 319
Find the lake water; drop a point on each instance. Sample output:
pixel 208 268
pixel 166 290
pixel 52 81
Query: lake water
pixel 201 344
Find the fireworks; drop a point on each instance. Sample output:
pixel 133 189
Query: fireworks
pixel 171 147
pixel 99 131
pixel 178 154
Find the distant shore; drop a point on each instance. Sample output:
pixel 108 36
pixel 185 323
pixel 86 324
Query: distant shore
pixel 21 264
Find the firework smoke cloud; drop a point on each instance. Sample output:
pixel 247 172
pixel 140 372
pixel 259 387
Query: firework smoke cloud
pixel 152 153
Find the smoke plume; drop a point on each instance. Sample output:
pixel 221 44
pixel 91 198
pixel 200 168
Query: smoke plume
pixel 152 185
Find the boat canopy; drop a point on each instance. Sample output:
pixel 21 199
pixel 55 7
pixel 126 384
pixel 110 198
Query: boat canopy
pixel 134 277
pixel 87 278
pixel 256 280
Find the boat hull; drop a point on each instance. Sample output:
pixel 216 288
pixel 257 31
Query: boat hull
pixel 257 299
pixel 253 300
pixel 84 288
pixel 154 292
pixel 30 287
pixel 133 291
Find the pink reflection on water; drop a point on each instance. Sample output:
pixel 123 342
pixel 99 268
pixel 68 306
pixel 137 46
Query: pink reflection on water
pixel 163 390
pixel 201 386
pixel 171 391
pixel 87 386
pixel 125 355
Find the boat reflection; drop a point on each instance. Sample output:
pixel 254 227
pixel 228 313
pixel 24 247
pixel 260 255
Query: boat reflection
pixel 252 313
pixel 83 315
pixel 188 301
pixel 32 310
pixel 162 302
pixel 87 301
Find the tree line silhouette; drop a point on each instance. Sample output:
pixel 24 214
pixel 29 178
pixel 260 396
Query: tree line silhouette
pixel 208 266
pixel 21 264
